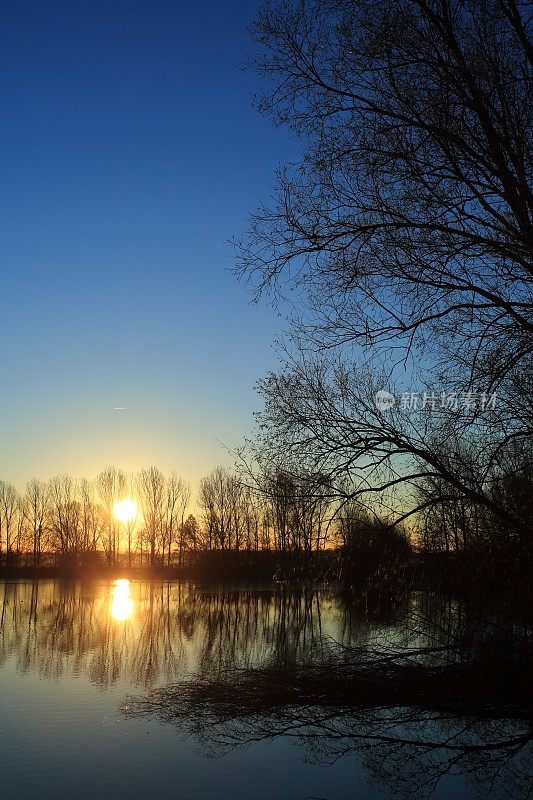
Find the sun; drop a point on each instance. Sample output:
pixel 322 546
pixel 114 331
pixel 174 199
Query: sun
pixel 125 510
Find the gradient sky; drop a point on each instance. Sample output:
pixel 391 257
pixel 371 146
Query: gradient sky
pixel 131 153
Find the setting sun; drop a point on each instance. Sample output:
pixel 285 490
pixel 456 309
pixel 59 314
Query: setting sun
pixel 125 510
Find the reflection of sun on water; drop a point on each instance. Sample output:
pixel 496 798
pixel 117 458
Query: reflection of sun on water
pixel 121 601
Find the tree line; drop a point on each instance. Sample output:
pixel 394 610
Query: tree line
pixel 236 511
pixel 75 520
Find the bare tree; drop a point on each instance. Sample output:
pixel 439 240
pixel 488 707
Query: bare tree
pixel 65 516
pixel 177 495
pixel 214 502
pixel 184 534
pixel 151 493
pixel 36 509
pixel 9 506
pixel 190 533
pixel 220 499
pixel 407 232
pixel 111 485
pixel 92 518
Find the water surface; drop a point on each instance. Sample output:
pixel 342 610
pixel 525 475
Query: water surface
pixel 76 657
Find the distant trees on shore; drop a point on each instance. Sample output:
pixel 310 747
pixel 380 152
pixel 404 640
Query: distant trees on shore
pixel 293 517
pixel 76 521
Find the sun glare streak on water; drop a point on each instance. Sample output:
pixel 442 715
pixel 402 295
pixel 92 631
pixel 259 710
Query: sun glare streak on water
pixel 121 600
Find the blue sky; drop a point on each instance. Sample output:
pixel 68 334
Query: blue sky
pixel 131 153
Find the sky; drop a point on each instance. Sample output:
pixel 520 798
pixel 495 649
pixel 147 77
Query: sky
pixel 130 154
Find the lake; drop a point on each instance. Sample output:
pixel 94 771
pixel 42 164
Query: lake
pixel 165 689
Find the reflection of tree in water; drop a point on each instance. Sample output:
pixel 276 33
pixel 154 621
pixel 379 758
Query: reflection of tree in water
pixel 58 628
pixel 402 717
pixel 448 695
pixel 246 627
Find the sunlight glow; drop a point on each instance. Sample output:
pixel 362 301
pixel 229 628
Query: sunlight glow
pixel 125 510
pixel 121 601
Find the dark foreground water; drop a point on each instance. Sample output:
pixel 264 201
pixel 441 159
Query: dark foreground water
pixel 168 690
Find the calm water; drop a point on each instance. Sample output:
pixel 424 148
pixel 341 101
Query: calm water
pixel 74 657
